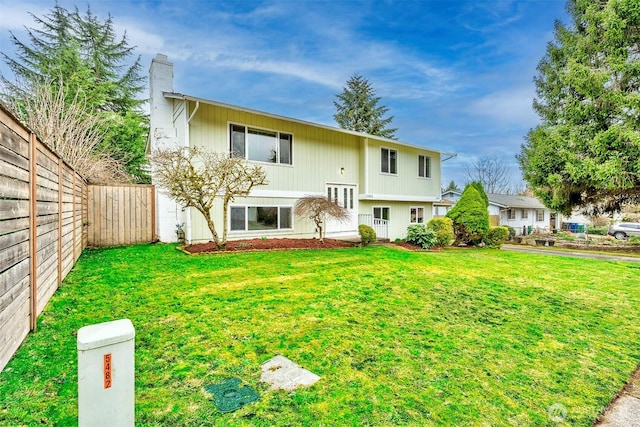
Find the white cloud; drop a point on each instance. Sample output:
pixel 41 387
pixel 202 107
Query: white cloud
pixel 511 107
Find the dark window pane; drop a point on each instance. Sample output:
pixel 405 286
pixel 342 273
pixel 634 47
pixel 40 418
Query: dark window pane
pixel 421 166
pixel 393 154
pixel 385 213
pixel 377 213
pixel 261 218
pixel 237 140
pixel 285 148
pixel 351 198
pixel 384 164
pixel 237 218
pixel 427 167
pixel 285 217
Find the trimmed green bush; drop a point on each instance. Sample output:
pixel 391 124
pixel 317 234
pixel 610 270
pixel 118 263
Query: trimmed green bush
pixel 470 217
pixel 512 232
pixel 443 227
pixel 420 235
pixel 367 234
pixel 600 231
pixel 497 236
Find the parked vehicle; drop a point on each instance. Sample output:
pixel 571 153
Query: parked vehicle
pixel 623 230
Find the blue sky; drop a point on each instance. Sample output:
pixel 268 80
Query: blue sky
pixel 455 74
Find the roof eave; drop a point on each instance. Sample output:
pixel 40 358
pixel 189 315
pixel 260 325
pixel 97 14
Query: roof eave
pixel 175 95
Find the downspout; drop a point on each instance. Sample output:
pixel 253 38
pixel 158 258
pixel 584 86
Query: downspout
pixel 188 142
pixel 366 166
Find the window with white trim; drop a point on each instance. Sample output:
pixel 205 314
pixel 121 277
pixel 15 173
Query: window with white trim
pixel 539 215
pixel 416 215
pixel 388 161
pixel 256 218
pixel 424 166
pixel 261 145
pixel 525 213
pixel 511 214
pixel 381 212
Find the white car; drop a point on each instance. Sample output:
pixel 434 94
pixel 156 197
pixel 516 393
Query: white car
pixel 623 230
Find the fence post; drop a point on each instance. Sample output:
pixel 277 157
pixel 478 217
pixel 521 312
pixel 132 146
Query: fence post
pixel 33 231
pixel 59 222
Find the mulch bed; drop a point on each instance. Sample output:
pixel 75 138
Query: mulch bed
pixel 269 244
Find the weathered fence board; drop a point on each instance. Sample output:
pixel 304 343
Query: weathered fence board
pixel 48 215
pixel 42 221
pixel 121 215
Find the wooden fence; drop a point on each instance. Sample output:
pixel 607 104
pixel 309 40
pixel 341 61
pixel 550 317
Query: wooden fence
pixel 121 215
pixel 43 212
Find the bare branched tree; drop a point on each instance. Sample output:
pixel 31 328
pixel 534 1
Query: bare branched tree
pixel 69 130
pixel 195 177
pixel 492 173
pixel 319 209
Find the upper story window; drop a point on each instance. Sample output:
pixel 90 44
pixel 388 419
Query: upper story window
pixel 388 161
pixel 261 145
pixel 424 166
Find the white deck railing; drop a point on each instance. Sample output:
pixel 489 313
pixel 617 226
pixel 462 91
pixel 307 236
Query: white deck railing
pixel 380 226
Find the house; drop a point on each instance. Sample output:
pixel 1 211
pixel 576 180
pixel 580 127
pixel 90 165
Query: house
pixel 523 213
pixel 381 182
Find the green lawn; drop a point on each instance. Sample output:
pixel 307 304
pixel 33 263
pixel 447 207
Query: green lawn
pixel 459 337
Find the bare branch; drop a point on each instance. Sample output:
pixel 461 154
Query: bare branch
pixel 69 130
pixel 194 177
pixel 319 209
pixel 491 172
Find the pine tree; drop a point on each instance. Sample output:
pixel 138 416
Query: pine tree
pixel 585 152
pixel 470 217
pixel 85 54
pixel 358 110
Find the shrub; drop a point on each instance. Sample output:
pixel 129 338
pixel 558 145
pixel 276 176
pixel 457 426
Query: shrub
pixel 420 235
pixel 443 227
pixel 512 232
pixel 599 231
pixel 497 236
pixel 470 217
pixel 367 234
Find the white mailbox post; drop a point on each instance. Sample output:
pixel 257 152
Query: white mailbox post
pixel 106 374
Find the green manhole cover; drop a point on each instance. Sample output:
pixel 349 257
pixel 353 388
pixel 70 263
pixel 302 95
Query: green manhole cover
pixel 229 397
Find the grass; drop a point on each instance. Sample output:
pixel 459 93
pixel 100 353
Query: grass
pixel 460 337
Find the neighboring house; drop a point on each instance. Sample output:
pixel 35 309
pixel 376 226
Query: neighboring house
pixel 519 212
pixel 382 182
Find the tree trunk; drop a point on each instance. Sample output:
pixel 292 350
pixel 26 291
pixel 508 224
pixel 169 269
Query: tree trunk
pixel 207 216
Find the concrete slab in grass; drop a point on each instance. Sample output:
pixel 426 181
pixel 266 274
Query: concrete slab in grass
pixel 284 374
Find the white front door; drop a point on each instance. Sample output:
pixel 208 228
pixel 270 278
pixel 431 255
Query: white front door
pixel 345 196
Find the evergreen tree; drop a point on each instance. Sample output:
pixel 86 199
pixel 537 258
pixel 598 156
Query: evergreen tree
pixel 585 152
pixel 358 110
pixel 470 217
pixel 451 187
pixel 480 189
pixel 84 52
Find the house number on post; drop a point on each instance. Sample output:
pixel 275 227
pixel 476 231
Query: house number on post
pixel 107 370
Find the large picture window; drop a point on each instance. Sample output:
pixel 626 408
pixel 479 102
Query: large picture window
pixel 256 218
pixel 261 145
pixel 388 161
pixel 424 166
